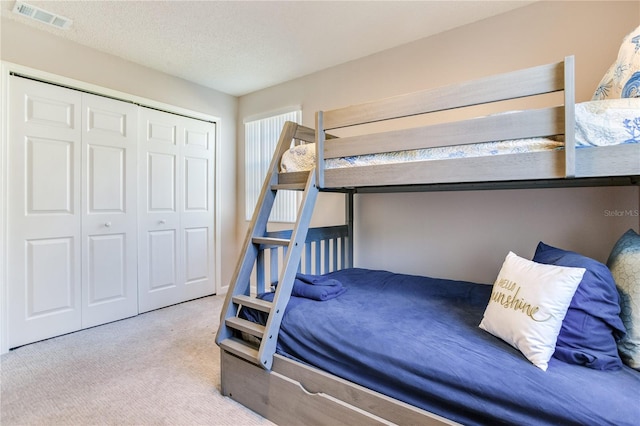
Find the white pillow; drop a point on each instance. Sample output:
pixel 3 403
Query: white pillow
pixel 527 305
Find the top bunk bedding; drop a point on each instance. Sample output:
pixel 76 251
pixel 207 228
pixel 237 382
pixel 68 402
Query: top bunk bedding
pixel 598 123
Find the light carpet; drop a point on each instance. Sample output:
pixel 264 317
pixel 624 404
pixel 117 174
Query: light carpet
pixel 158 368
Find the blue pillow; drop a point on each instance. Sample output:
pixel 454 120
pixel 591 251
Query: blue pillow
pixel 592 325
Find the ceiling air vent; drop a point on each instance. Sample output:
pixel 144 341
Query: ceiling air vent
pixel 41 15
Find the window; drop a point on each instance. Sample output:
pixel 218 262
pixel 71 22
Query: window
pixel 260 138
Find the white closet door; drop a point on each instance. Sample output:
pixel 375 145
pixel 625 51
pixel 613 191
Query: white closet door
pixel 109 206
pixel 196 213
pixel 176 209
pixel 159 222
pixel 44 235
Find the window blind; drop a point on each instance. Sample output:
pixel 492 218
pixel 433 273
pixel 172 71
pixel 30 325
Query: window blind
pixel 261 138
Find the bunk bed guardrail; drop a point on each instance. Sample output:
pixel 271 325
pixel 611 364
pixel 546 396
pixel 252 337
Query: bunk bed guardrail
pixel 535 81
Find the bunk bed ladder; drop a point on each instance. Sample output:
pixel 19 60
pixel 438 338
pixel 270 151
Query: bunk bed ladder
pixel 262 353
pixel 259 348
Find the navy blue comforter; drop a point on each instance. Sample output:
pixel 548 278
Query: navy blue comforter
pixel 417 340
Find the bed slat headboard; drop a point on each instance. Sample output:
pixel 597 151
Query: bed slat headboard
pixel 327 249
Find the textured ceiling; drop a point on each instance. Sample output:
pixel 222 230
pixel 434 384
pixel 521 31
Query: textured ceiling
pixel 238 47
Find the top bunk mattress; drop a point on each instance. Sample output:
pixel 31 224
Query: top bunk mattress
pixel 417 339
pixel 598 123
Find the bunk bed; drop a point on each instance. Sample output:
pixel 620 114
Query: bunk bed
pixel 400 349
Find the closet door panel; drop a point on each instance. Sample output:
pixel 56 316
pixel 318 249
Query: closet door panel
pixel 176 210
pixel 109 221
pixel 106 270
pixel 44 235
pixel 197 208
pixel 161 183
pixel 49 188
pixel 49 284
pixel 163 263
pixel 197 253
pixel 196 171
pixel 159 223
pixel 106 174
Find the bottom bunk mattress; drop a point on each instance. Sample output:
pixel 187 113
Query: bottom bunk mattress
pixel 417 340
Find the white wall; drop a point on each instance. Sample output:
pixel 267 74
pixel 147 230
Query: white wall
pixel 29 47
pixel 465 235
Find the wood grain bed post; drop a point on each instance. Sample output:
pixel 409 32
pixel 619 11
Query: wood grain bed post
pixel 320 136
pixel 569 117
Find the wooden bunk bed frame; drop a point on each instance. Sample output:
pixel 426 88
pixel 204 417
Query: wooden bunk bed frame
pixel 289 392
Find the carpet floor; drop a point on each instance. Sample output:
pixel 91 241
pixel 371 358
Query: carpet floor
pixel 158 368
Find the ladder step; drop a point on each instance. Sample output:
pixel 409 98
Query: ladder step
pixel 249 327
pixel 293 178
pixel 289 187
pixel 252 302
pixel 241 348
pixel 271 241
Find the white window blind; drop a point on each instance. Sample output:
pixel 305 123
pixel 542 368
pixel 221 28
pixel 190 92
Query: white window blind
pixel 261 137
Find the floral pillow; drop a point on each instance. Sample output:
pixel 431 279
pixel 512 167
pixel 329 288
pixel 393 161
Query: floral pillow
pixel 622 80
pixel 624 262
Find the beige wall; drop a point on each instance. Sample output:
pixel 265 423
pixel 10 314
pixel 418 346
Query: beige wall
pixel 461 222
pixel 466 235
pixel 39 50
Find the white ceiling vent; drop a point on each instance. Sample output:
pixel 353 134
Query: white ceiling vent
pixel 41 15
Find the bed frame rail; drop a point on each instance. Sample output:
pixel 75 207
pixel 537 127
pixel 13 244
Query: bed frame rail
pixel 535 81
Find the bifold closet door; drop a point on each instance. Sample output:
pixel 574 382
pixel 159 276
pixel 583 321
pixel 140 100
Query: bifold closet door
pixel 109 210
pixel 44 235
pixel 71 211
pixel 176 226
